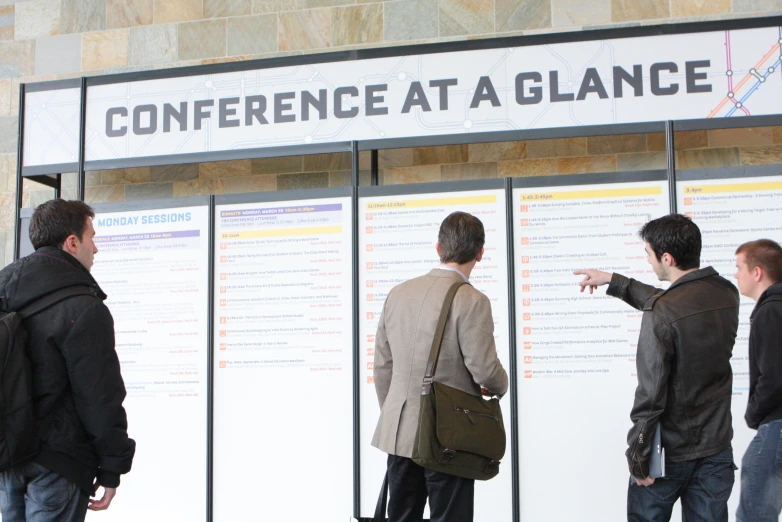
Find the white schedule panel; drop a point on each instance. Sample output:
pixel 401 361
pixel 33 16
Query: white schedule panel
pixel 730 212
pixel 154 266
pixel 397 238
pixel 576 352
pixel 283 414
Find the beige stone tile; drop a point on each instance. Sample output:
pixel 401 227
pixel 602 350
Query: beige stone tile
pixel 703 158
pixel 17 59
pixel 104 194
pixel 129 13
pixel 522 15
pixel 344 178
pixel 7 172
pixel 104 49
pixel 152 45
pixel 178 10
pixel 507 150
pixel 280 165
pixel 198 40
pixel 682 8
pixel 126 176
pixel 249 35
pixel 655 142
pixel 325 162
pixel 410 20
pixel 586 164
pixel 304 30
pixel 184 172
pixel 81 16
pixel 357 24
pixel 419 174
pixel 567 13
pixel 148 191
pixel 758 6
pixel 394 158
pixel 198 187
pixel 616 144
pixel 768 155
pixel 556 148
pixel 302 180
pixel 438 155
pixel 6 22
pixel 37 18
pixel 250 184
pixel 276 6
pixel 641 161
pixel 746 137
pixel 776 133
pixel 632 10
pixel 684 140
pixel 91 179
pixel 226 59
pixel 461 171
pixel 9 133
pixel 6 87
pixel 221 8
pixel 8 210
pixel 310 4
pixel 225 169
pixel 463 17
pixel 527 167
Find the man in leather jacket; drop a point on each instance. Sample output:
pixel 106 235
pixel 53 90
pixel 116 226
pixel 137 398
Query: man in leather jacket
pixel 684 376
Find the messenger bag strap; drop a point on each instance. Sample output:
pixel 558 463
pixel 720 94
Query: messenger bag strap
pixel 434 354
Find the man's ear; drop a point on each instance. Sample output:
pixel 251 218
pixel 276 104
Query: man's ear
pixel 437 247
pixel 668 260
pixel 71 244
pixel 480 255
pixel 757 274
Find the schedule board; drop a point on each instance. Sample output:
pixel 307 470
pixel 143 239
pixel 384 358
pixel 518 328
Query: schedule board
pixel 397 236
pixel 153 262
pixel 730 211
pixel 283 381
pixel 576 352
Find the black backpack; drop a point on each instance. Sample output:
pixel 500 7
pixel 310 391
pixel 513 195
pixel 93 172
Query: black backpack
pixel 18 424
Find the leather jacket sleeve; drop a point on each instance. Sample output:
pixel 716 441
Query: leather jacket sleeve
pixel 653 365
pixel 632 292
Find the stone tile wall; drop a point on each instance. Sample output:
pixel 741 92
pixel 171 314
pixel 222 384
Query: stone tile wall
pixel 52 39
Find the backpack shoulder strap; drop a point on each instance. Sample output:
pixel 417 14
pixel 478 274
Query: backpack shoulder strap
pixel 41 304
pixel 434 354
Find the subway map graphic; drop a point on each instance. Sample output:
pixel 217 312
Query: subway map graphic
pixel 742 82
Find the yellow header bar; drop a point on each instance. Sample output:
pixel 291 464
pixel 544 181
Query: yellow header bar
pixel 590 194
pixel 760 186
pixel 433 202
pixel 306 231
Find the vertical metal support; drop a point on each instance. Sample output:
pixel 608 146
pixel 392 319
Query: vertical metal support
pixel 671 154
pixel 356 349
pixel 375 173
pixel 514 402
pixel 19 179
pixel 210 321
pixel 82 138
pixel 58 186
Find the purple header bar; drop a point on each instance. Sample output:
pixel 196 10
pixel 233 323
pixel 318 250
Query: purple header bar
pixel 147 237
pixel 276 211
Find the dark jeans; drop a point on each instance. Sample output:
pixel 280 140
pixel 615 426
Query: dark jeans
pixel 761 476
pixel 450 498
pixel 703 485
pixel 32 493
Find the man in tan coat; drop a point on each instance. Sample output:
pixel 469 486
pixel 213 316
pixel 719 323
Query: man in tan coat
pixel 468 361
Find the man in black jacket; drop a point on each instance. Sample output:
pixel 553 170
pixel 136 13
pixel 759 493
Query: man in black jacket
pixel 759 276
pixel 77 386
pixel 684 376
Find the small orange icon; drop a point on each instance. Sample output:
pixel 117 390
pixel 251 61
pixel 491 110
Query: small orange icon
pixel 223 320
pixel 370 338
pixel 525 288
pixel 527 331
pixel 527 359
pixel 688 201
pixel 370 297
pixel 223 302
pixel 223 346
pixel 370 365
pixel 223 246
pixel 223 333
pixel 222 364
pixel 370 315
pixel 369 248
pixel 527 345
pixel 370 352
pixel 527 317
pixel 370 380
pixel 524 260
pixel 525 241
pixel 223 259
pixel 369 230
pixel 223 289
pixel 524 222
pixel 369 216
pixel 370 265
pixel 223 276
pixel 526 301
pixel 525 208
pixel 370 283
pixel 524 273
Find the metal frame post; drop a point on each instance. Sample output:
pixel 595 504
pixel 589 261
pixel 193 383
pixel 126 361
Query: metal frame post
pixel 19 179
pixel 671 156
pixel 82 139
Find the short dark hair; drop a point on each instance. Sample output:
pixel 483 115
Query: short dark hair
pixel 461 238
pixel 676 235
pixel 766 254
pixel 55 220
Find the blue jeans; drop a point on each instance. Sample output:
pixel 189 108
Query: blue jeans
pixel 761 476
pixel 32 493
pixel 703 485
